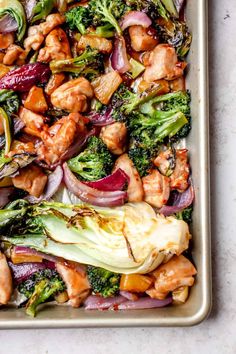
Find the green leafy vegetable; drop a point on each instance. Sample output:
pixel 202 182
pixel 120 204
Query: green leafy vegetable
pixel 6 121
pixel 185 214
pixel 9 101
pixel 78 18
pixel 103 282
pixel 16 11
pixel 42 9
pixel 94 162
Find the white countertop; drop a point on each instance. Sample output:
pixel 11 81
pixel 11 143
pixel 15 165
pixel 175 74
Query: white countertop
pixel 218 333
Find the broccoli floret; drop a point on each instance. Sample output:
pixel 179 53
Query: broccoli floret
pixel 142 159
pixel 78 18
pixel 89 64
pixel 106 31
pixel 107 11
pixel 154 8
pixel 185 214
pixel 40 287
pixel 9 101
pixel 94 162
pixel 103 282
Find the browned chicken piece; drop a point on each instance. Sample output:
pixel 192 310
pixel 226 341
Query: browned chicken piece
pixel 12 54
pixel 101 44
pixel 105 85
pixel 165 162
pixel 35 101
pixel 3 70
pixel 58 138
pixel 156 189
pixel 178 84
pixel 6 287
pixel 73 95
pixel 77 284
pixel 172 275
pixel 135 188
pixel 31 179
pixel 162 63
pixel 54 82
pixel 36 34
pixel 6 40
pixel 141 40
pixel 56 46
pixel 51 22
pixel 1 60
pixel 115 137
pixel 34 123
pixel 17 147
pixel 180 176
pixel 164 86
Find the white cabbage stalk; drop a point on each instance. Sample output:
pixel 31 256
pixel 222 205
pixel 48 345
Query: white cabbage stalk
pixel 127 239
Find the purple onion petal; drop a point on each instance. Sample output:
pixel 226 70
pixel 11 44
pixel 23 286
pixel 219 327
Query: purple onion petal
pixel 94 302
pixel 8 24
pixel 132 18
pixel 5 193
pixel 119 57
pixel 114 182
pixel 144 303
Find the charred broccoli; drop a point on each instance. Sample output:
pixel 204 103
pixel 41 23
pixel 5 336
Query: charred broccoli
pixel 142 158
pixel 107 11
pixel 89 64
pixel 9 101
pixel 78 18
pixel 103 282
pixel 185 214
pixel 94 162
pixel 39 288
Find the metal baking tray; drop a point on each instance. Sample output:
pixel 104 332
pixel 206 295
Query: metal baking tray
pixel 198 305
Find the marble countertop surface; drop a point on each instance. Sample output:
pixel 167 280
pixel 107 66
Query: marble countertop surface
pixel 218 333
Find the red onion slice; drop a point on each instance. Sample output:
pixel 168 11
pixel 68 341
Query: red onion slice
pixel 180 202
pixel 144 303
pixel 91 195
pixel 135 18
pixel 129 296
pixel 54 181
pixel 119 57
pixel 23 271
pixel 114 182
pixel 101 119
pixel 30 251
pixel 29 7
pixel 5 194
pixel 8 24
pixel 94 302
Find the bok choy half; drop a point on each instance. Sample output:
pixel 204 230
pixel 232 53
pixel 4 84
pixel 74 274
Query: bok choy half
pixel 127 239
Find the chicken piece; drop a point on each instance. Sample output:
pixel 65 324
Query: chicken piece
pixel 58 138
pixel 101 44
pixel 72 96
pixel 135 188
pixel 156 189
pixel 115 137
pixel 17 148
pixel 170 276
pixel 77 284
pixel 3 70
pixel 54 82
pixel 12 54
pixel 178 84
pixel 165 162
pixel 36 34
pixel 34 123
pixel 51 22
pixel 162 63
pixel 56 46
pixel 164 86
pixel 6 287
pixel 31 179
pixel 35 38
pixel 1 57
pixel 180 176
pixel 36 101
pixel 6 39
pixel 141 40
pixel 105 85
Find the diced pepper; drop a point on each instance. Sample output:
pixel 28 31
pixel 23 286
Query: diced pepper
pixel 135 282
pixel 105 85
pixel 36 101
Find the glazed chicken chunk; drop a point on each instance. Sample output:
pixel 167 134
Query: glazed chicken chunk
pixel 162 63
pixel 165 162
pixel 135 188
pixel 76 281
pixel 180 176
pixel 34 123
pixel 103 45
pixel 156 188
pixel 31 179
pixel 172 275
pixel 5 281
pixel 115 137
pixel 141 40
pixel 73 95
